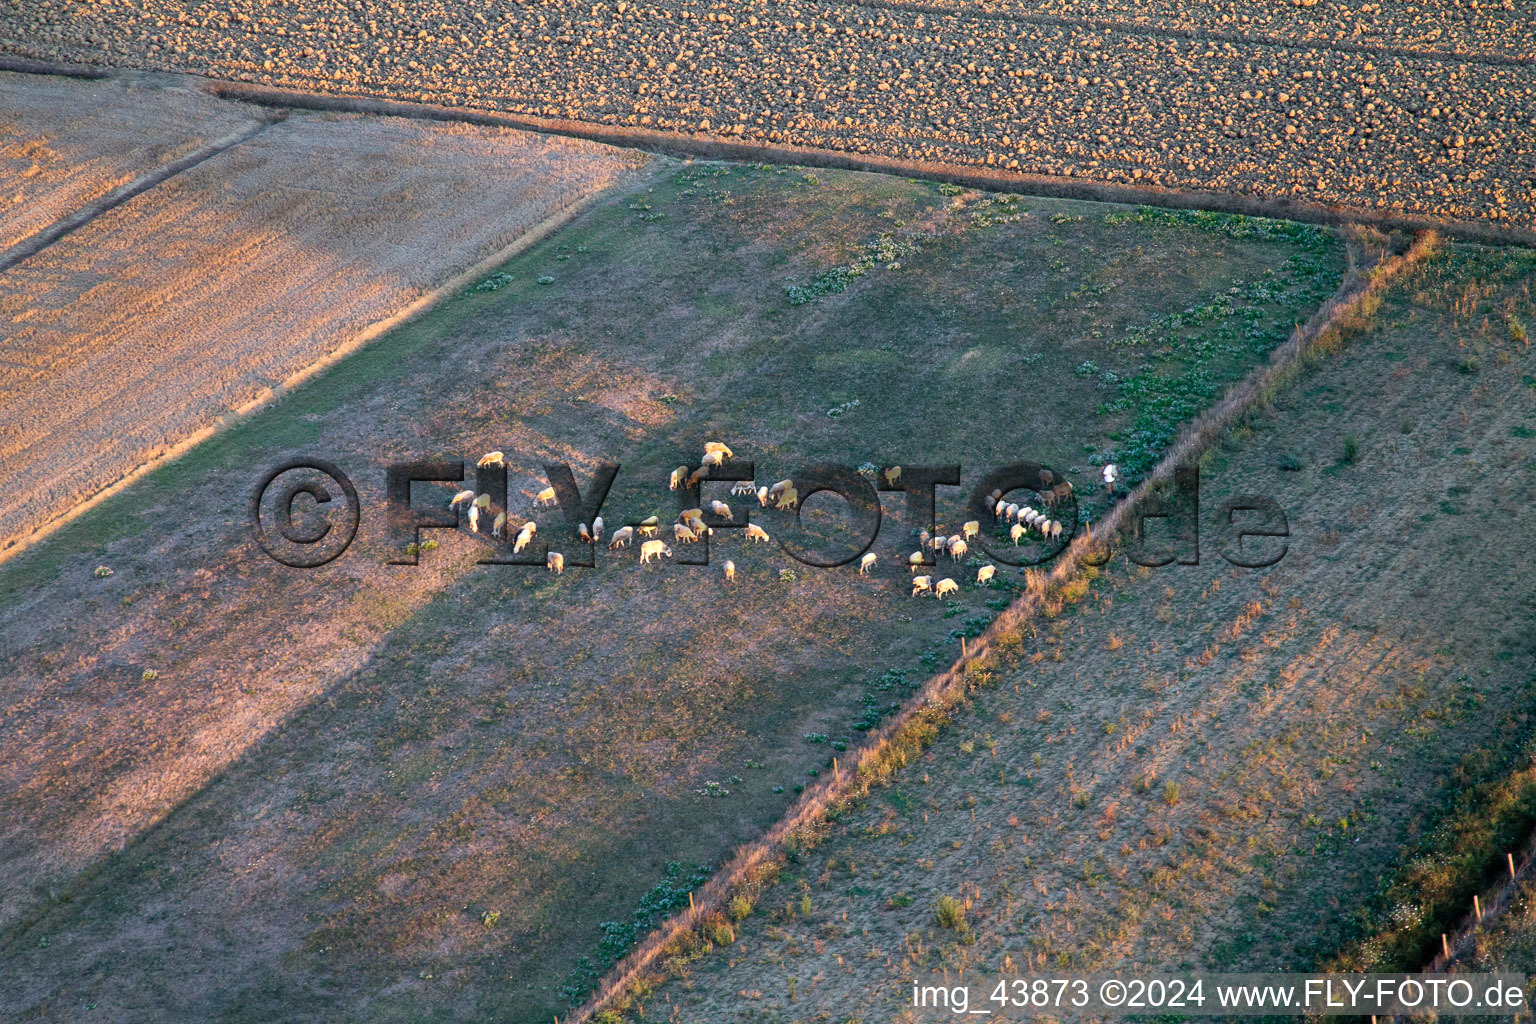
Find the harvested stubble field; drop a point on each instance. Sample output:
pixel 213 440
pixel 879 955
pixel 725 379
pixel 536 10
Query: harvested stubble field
pixel 1421 109
pixel 1208 767
pixel 153 321
pixel 65 143
pixel 454 791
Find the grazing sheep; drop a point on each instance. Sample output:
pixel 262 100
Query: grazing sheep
pixel 546 496
pixel 653 549
pixel 720 509
pixel 958 548
pixel 556 563
pixel 762 496
pixel 999 508
pixel 1016 532
pixel 1047 478
pixel 730 569
pixel 914 560
pixel 648 526
pixel 501 520
pixel 892 474
pixel 946 586
pixel 713 459
pixel 1055 530
pixel 683 535
pixel 779 488
pixel 1025 512
pixel 621 537
pixel 755 532
pixel 920 584
pixel 971 529
pixel 689 513
pixel 716 446
pixel 923 537
pixel 865 563
pixel 462 496
pixel 584 533
pixel 530 527
pixel 524 538
pixel 996 495
pixel 1061 492
pixel 699 474
pixel 678 476
pixel 939 544
pixel 1012 510
pixel 744 487
pixel 788 498
pixel 492 459
pixel 483 503
pixel 985 573
pixel 474 519
pixel 697 526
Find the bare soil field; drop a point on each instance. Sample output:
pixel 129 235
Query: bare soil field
pixel 1203 766
pixel 149 324
pixel 459 791
pixel 1239 100
pixel 64 143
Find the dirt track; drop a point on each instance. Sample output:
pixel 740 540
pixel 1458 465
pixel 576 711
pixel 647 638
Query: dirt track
pixel 1423 113
pixel 153 321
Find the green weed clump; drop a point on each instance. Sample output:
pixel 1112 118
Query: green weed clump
pixel 949 913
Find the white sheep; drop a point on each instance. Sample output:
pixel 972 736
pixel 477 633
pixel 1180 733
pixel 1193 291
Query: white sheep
pixel 921 584
pixel 720 509
pixel 946 586
pixel 971 529
pixel 958 548
pixel 762 496
pixel 683 535
pixel 939 543
pixel 865 563
pixel 1055 530
pixel 711 447
pixel 474 519
pixel 584 533
pixel 556 563
pixel 1027 513
pixel 699 474
pixel 999 508
pixel 597 528
pixel 892 474
pixel 755 532
pixel 621 537
pixel 531 527
pixel 713 459
pixel 743 487
pixel 985 573
pixel 730 569
pixel 1011 510
pixel 483 503
pixel 501 520
pixel 923 537
pixel 648 526
pixel 779 488
pixel 492 459
pixel 653 549
pixel 462 496
pixel 914 560
pixel 546 496
pixel 678 476
pixel 787 498
pixel 524 538
pixel 1016 531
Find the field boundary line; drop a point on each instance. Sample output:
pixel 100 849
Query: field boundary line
pixel 415 308
pixel 679 144
pixel 43 237
pixel 1362 283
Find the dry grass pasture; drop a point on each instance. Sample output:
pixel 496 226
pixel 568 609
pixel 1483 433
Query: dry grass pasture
pixel 64 142
pixel 155 320
pixel 1203 766
pixel 1409 109
pixel 455 791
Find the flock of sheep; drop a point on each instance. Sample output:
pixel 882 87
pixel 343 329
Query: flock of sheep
pixel 690 525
